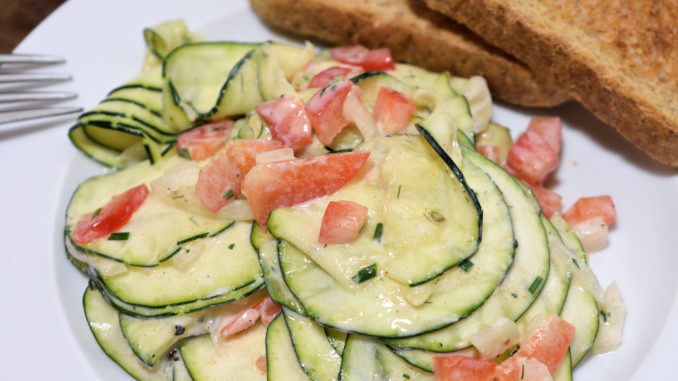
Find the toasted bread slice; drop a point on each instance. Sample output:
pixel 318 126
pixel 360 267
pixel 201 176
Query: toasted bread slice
pixel 617 57
pixel 415 35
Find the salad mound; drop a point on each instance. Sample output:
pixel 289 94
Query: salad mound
pixel 282 212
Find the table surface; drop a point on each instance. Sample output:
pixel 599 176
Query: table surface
pixel 19 17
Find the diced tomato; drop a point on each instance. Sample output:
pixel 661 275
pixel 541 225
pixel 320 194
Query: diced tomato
pixel 462 368
pixel 392 111
pixel 266 309
pixel 375 59
pixel 244 320
pixel 219 182
pixel 285 183
pixel 326 76
pixel 204 141
pixel 550 129
pixel 111 217
pixel 531 158
pixel 342 222
pixel 587 208
pixel 490 151
pixel 326 110
pixel 548 345
pixel 288 122
pixel 549 200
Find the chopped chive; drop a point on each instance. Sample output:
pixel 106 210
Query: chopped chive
pixel 535 285
pixel 436 216
pixel 184 152
pixel 229 193
pixel 522 373
pixel 605 315
pixel 515 296
pixel 574 260
pixel 405 375
pixel 176 197
pixel 398 195
pixel 119 236
pixel 194 221
pixel 366 273
pixel 466 265
pixel 96 212
pixel 378 231
pixel 231 246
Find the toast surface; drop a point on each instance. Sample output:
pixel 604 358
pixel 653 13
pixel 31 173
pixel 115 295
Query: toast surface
pixel 617 57
pixel 415 35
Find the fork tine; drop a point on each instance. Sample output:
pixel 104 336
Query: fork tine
pixel 18 116
pixel 34 77
pixel 29 96
pixel 29 59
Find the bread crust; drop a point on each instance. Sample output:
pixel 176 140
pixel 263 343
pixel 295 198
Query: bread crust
pixel 617 57
pixel 415 35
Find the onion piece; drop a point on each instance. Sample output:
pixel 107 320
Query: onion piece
pixel 592 234
pixel 496 338
pixel 355 111
pixel 613 314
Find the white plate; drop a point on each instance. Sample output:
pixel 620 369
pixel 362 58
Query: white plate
pixel 44 330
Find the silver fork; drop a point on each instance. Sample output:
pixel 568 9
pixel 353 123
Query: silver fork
pixel 21 105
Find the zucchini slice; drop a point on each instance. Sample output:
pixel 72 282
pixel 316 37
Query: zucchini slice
pixel 281 361
pixel 523 282
pixel 157 231
pixel 103 321
pixel 430 220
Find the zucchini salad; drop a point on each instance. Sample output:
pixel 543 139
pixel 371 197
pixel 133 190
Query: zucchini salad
pixel 291 213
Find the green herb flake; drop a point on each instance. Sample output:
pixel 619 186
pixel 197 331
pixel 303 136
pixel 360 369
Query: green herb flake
pixel 574 260
pixel 466 265
pixel 398 195
pixel 378 232
pixel 177 197
pixel 194 221
pixel 522 373
pixel 231 246
pixel 229 193
pixel 515 296
pixel 535 285
pixel 119 236
pixel 605 315
pixel 405 375
pixel 184 152
pixel 366 273
pixel 96 213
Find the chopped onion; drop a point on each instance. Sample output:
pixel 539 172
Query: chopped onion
pixel 356 112
pixel 592 234
pixel 275 155
pixel 237 210
pixel 496 338
pixel 480 102
pixel 613 314
pixel 174 178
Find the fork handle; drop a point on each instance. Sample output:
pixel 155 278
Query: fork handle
pixel 29 59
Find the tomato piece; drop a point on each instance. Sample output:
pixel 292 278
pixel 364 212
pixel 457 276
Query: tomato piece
pixel 220 181
pixel 111 217
pixel 392 111
pixel 490 151
pixel 269 186
pixel 326 110
pixel 342 222
pixel 587 208
pixel 288 122
pixel 531 158
pixel 549 200
pixel 548 345
pixel 326 76
pixel 550 129
pixel 374 59
pixel 529 370
pixel 268 310
pixel 462 368
pixel 244 320
pixel 202 142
